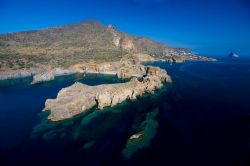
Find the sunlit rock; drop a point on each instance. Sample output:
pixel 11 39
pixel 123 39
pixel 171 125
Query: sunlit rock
pixel 78 97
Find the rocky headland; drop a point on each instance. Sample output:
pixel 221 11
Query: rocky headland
pixel 78 97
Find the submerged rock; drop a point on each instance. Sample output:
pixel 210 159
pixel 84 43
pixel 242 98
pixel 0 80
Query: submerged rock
pixel 136 136
pixel 143 138
pixel 78 97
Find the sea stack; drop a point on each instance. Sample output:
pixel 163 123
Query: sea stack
pixel 233 55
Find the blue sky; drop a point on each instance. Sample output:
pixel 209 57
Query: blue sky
pixel 211 27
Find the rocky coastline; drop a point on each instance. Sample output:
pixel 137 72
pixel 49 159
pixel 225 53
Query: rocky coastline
pixel 88 47
pixel 127 67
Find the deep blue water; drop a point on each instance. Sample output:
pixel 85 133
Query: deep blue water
pixel 201 119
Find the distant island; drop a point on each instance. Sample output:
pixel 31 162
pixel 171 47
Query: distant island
pixel 233 55
pixel 88 47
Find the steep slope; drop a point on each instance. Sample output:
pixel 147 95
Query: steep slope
pixel 60 46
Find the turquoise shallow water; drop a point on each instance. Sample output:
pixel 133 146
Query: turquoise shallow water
pixel 201 119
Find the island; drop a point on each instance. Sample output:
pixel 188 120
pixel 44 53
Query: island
pixel 233 55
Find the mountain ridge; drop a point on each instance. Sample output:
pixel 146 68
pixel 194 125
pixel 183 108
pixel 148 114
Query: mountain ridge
pixel 70 44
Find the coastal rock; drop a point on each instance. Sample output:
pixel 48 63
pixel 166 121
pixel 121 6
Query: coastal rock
pixel 60 71
pixel 136 136
pixel 142 139
pixel 71 101
pixel 78 98
pixel 50 75
pixel 130 66
pixel 14 75
pixel 47 76
pixel 157 72
pixel 178 59
pixel 118 93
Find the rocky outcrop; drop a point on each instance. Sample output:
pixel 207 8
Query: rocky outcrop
pixel 71 101
pixel 145 57
pixel 42 77
pixel 178 59
pixel 116 36
pixel 16 74
pixel 136 136
pixel 120 40
pixel 78 98
pixel 130 66
pixel 39 74
pixel 233 55
pixel 126 43
pixel 50 75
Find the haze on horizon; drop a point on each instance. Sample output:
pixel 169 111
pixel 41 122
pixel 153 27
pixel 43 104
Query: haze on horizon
pixel 211 27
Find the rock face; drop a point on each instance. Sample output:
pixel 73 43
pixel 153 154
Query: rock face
pixel 126 43
pixel 116 36
pixel 78 98
pixel 130 66
pixel 71 101
pixel 120 40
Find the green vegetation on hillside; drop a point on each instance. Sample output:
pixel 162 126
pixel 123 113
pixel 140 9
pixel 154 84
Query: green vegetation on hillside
pixel 67 45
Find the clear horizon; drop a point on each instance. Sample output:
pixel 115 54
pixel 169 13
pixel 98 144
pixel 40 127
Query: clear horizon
pixel 207 27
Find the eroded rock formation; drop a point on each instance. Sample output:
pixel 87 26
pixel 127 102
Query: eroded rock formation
pixel 78 97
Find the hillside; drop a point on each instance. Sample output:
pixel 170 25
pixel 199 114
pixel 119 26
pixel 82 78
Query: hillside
pixel 67 45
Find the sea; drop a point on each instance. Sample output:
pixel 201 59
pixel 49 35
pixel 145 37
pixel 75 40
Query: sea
pixel 201 119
